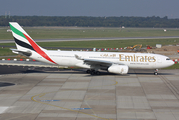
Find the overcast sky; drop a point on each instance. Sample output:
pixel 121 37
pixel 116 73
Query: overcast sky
pixel 101 8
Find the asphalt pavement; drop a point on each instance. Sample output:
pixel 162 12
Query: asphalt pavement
pixel 91 39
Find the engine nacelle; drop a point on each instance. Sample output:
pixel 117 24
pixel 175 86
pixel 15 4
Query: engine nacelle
pixel 118 69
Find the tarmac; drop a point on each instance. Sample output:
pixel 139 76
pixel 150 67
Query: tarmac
pixel 66 94
pixel 92 39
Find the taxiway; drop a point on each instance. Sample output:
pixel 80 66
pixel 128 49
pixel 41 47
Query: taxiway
pixel 75 95
pixel 92 39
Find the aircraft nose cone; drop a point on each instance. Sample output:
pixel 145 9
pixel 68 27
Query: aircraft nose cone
pixel 172 62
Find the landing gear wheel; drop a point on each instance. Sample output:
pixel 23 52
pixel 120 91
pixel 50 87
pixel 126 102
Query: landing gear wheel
pixel 156 72
pixel 93 72
pixel 88 71
pixel 97 73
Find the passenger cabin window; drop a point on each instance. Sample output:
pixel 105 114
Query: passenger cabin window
pixel 167 58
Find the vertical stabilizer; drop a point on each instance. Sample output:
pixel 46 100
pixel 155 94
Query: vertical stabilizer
pixel 22 39
pixel 25 43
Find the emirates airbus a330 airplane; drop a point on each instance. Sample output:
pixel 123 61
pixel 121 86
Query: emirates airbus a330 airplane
pixel 114 62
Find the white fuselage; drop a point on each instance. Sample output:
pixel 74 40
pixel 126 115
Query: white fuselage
pixel 132 60
pixel 114 62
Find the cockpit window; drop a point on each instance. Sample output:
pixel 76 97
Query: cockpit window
pixel 167 58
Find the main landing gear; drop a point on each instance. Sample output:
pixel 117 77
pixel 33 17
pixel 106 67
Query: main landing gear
pixel 156 72
pixel 93 72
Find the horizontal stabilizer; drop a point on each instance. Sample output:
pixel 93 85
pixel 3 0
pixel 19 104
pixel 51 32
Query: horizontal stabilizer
pixel 22 52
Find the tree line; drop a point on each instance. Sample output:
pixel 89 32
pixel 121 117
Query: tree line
pixel 83 21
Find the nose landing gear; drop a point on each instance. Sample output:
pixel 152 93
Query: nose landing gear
pixel 156 72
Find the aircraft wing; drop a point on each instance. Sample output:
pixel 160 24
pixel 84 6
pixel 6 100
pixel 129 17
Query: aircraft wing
pixel 95 62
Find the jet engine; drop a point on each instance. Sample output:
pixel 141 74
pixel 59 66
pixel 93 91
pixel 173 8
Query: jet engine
pixel 118 69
